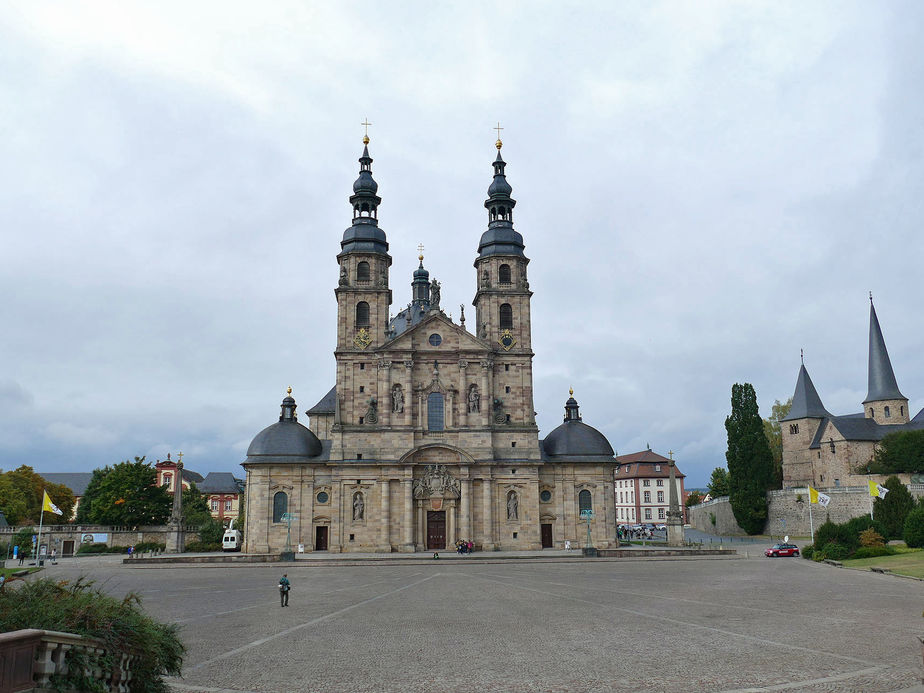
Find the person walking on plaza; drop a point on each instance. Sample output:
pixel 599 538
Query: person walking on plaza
pixel 284 590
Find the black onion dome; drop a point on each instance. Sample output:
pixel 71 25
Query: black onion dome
pixel 500 238
pixel 575 439
pixel 287 440
pixel 364 234
pixel 365 182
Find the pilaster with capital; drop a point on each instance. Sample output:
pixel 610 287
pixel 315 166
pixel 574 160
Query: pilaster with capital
pixel 487 542
pixel 384 392
pixel 408 393
pixel 466 503
pixel 408 524
pixel 463 390
pixel 385 541
pixel 487 397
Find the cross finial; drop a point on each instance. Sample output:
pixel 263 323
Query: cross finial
pixel 366 125
pixel 870 296
pixel 179 458
pixel 802 356
pixel 670 453
pixel 498 144
pixel 420 249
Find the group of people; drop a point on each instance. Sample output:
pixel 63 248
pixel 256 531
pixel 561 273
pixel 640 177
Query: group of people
pixel 464 546
pixel 629 533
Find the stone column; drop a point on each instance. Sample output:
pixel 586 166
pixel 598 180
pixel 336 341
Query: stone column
pixel 674 514
pixel 451 524
pixel 465 517
pixel 450 419
pixel 385 542
pixel 486 399
pixel 487 543
pixel 463 389
pixel 408 543
pixel 421 538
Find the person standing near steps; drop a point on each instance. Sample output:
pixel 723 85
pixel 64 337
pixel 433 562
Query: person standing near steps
pixel 284 590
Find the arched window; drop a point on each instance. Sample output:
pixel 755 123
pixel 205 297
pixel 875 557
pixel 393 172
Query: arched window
pixel 871 414
pixel 584 501
pixel 506 316
pixel 503 274
pixel 166 480
pixel 362 314
pixel 434 411
pixel 280 506
pixel 888 414
pixel 362 271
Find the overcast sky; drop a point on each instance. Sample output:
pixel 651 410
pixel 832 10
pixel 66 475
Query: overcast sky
pixel 703 189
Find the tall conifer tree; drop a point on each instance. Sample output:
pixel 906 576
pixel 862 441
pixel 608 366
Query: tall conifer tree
pixel 750 462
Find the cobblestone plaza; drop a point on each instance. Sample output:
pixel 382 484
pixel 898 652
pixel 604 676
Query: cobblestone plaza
pixel 534 625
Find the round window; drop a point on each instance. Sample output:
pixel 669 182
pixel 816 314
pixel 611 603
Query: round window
pixel 323 497
pixel 545 496
pixel 435 339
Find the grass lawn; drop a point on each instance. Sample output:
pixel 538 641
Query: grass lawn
pixel 9 571
pixel 909 562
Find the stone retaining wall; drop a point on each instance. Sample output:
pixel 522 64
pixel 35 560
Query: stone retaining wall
pixel 55 535
pixel 786 514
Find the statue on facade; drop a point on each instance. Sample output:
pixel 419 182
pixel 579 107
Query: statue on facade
pixel 474 399
pixel 484 331
pixel 486 279
pixel 513 506
pixel 434 295
pixel 359 506
pixel 344 280
pixel 372 413
pixel 397 399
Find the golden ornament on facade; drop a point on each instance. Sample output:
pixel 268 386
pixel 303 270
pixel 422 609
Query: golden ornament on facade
pixel 507 340
pixel 362 339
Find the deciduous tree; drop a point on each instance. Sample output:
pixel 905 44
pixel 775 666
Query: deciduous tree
pixel 718 482
pixel 750 462
pixel 695 498
pixel 21 497
pixel 773 431
pixel 899 452
pixel 125 494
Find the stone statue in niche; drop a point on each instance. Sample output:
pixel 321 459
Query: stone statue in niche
pixel 383 277
pixel 344 279
pixel 434 295
pixel 484 331
pixel 486 279
pixel 513 506
pixel 397 399
pixel 474 399
pixel 359 506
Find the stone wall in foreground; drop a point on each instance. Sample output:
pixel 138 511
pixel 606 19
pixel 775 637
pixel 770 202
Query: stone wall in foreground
pixel 788 511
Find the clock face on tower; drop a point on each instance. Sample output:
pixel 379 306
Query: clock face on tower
pixel 507 340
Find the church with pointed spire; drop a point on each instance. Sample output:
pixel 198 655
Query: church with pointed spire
pixel 428 436
pixel 828 451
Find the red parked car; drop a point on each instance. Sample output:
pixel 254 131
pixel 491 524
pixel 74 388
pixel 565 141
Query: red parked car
pixel 778 550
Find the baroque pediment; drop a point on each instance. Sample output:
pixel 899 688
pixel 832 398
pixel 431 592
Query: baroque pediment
pixel 454 337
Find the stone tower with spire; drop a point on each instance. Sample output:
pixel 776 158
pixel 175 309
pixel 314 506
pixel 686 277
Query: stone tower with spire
pixel 828 451
pixel 884 403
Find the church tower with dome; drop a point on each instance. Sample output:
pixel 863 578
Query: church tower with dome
pixel 428 436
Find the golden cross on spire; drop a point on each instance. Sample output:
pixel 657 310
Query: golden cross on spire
pixel 498 144
pixel 366 125
pixel 670 453
pixel 179 458
pixel 289 390
pixel 420 249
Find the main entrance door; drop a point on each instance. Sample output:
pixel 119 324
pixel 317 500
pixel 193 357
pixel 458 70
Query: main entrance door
pixel 320 539
pixel 436 529
pixel 546 535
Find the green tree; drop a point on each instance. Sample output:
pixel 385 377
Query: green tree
pixel 892 510
pixel 125 494
pixel 21 497
pixel 695 498
pixel 718 482
pixel 195 507
pixel 750 462
pixel 773 431
pixel 899 452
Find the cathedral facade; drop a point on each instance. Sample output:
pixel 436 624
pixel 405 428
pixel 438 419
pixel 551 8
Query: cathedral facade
pixel 428 436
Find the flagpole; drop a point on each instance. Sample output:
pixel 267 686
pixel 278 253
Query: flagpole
pixel 38 543
pixel 811 523
pixel 869 491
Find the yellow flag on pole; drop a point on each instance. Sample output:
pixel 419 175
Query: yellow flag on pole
pixel 873 488
pixel 48 506
pixel 813 495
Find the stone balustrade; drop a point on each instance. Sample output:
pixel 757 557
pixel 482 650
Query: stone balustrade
pixel 30 658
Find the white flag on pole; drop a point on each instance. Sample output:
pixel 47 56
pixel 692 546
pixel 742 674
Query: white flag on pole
pixel 823 499
pixel 882 490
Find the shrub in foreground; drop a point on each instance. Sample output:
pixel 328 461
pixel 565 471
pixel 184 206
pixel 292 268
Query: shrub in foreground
pixel 835 552
pixel 202 546
pixel 808 551
pixel 100 548
pixel 913 533
pixel 873 551
pixel 121 625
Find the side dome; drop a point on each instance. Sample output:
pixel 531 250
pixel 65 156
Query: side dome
pixel 287 440
pixel 575 439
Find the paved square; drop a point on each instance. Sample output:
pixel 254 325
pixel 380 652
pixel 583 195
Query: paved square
pixel 526 625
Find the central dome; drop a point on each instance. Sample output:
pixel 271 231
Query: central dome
pixel 575 439
pixel 287 440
